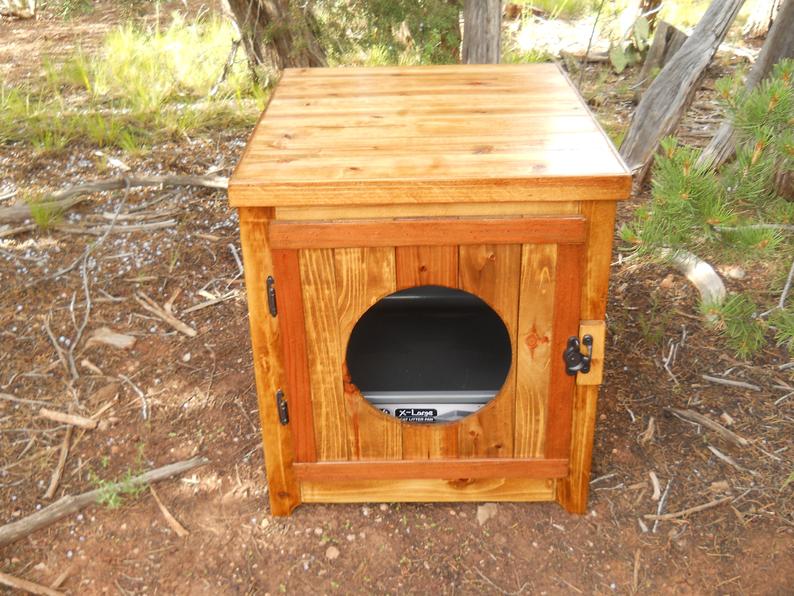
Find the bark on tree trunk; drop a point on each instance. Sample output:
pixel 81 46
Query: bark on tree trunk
pixel 482 31
pixel 666 100
pixel 761 18
pixel 779 44
pixel 279 32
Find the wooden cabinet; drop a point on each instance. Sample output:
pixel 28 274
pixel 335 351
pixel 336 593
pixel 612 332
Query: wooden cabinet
pixel 358 183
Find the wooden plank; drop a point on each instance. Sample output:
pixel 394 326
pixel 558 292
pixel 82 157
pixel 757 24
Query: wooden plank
pixel 424 210
pixel 427 265
pixel 318 281
pixel 429 491
pixel 566 323
pixel 297 385
pixel 450 469
pixel 534 347
pixel 253 191
pixel 283 490
pixel 572 492
pixel 597 330
pixel 427 232
pixel 493 273
pixel 364 276
pixel 419 266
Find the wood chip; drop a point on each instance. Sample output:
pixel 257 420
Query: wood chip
pixel 699 418
pixel 65 418
pixel 174 524
pixel 106 336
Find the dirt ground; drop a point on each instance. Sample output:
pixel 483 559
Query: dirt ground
pixel 200 399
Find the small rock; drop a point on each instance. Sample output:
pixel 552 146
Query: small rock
pixel 186 357
pixel 350 537
pixel 384 507
pixel 668 282
pixel 727 419
pixel 331 553
pixel 318 531
pixel 486 512
pixel 720 486
pixel 734 272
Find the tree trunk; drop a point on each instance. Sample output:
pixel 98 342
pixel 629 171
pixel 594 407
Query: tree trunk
pixel 650 8
pixel 761 18
pixel 666 100
pixel 482 31
pixel 779 44
pixel 666 42
pixel 277 32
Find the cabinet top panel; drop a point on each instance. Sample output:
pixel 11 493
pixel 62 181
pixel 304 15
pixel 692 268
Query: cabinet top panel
pixel 426 134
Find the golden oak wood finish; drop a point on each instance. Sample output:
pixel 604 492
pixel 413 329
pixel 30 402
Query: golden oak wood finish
pixel 433 134
pixel 444 469
pixel 430 491
pixel 427 232
pixel 358 182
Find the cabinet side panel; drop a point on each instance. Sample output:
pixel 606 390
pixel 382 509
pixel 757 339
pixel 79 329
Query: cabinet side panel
pixel 277 439
pixel 535 322
pixel 364 276
pixel 493 272
pixel 318 280
pixel 416 266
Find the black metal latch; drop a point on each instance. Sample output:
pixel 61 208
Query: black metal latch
pixel 271 296
pixel 281 406
pixel 575 361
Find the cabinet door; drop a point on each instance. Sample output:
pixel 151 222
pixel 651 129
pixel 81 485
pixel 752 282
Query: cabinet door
pixel 328 274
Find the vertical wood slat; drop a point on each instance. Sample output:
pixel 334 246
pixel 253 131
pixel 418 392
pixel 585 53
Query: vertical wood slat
pixel 492 272
pixel 284 491
pixel 364 276
pixel 426 265
pixel 567 305
pixel 535 347
pixel 318 280
pixel 416 266
pixel 572 492
pixel 297 385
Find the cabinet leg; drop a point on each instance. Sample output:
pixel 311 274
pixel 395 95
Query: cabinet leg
pixel 573 491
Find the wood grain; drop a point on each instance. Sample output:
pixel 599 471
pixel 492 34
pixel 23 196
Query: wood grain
pixel 572 492
pixel 424 210
pixel 597 330
pixel 535 333
pixel 418 266
pixel 297 384
pixel 426 134
pixel 426 232
pixel 493 273
pixel 364 276
pixel 269 371
pixel 429 491
pixel 318 281
pixel 449 469
pixel 566 323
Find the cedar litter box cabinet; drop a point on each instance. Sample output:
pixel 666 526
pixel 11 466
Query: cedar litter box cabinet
pixel 361 182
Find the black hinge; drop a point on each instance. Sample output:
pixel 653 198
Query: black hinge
pixel 271 296
pixel 575 361
pixel 281 406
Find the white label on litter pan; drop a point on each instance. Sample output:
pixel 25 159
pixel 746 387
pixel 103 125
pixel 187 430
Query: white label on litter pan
pixel 416 414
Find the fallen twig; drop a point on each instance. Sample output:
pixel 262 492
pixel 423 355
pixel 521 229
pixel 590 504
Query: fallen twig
pixel 657 489
pixel 23 584
pixel 57 473
pixel 178 528
pixel 29 402
pixel 18 230
pixel 100 230
pixel 662 503
pixel 685 512
pixel 699 418
pixel 71 419
pixel 140 394
pixel 213 302
pixel 68 197
pixel 163 314
pixel 72 504
pixel 731 383
pixel 729 460
pixel 781 303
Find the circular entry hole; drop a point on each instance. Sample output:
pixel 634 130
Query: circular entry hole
pixel 429 354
